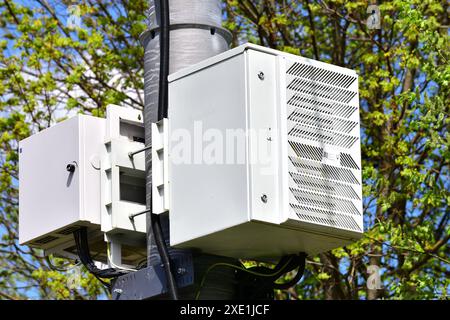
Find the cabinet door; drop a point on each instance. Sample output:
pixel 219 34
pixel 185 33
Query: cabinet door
pixel 49 181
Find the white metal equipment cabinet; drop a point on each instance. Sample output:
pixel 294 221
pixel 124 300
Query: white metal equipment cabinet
pixel 59 176
pixel 78 173
pixel 293 180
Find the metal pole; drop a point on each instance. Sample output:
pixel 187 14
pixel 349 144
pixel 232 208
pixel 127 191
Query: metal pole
pixel 195 35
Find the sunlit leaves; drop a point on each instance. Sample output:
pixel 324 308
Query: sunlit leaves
pixel 46 71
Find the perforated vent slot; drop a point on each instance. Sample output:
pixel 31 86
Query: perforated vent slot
pixel 324 170
pixel 321 90
pixel 322 75
pixel 325 217
pixel 322 135
pixel 307 151
pixel 319 185
pixel 347 161
pixel 45 240
pixel 324 201
pixel 68 230
pixel 322 121
pixel 320 105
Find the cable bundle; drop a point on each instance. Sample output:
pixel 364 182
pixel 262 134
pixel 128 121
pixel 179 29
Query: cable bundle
pixel 84 254
pixel 259 282
pixel 286 264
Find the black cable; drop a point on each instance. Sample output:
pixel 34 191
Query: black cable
pixel 165 258
pixel 82 246
pixel 253 286
pixel 163 97
pixel 301 270
pixel 106 284
pixel 164 56
pixel 54 267
pixel 286 264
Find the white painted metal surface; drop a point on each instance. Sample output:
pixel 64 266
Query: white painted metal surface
pixel 52 199
pixel 304 191
pixel 160 166
pixel 103 190
pixel 122 177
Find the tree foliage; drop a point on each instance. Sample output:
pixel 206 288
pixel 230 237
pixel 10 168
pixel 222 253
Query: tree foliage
pixel 48 70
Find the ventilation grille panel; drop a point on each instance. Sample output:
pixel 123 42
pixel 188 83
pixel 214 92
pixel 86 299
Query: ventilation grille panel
pixel 314 103
pixel 324 136
pixel 320 185
pixel 321 75
pixel 68 230
pixel 325 201
pixel 324 171
pixel 325 217
pixel 322 126
pixel 322 121
pixel 45 240
pixel 306 151
pixel 321 90
pixel 347 161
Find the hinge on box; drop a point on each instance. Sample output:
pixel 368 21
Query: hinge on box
pixel 160 166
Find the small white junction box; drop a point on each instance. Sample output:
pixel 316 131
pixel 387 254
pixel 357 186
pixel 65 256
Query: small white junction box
pixel 292 182
pixel 79 173
pixel 59 177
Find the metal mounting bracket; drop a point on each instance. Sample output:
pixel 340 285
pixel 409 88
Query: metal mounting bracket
pixel 151 281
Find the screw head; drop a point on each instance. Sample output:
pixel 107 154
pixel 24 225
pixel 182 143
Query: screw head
pixel 264 198
pixel 261 75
